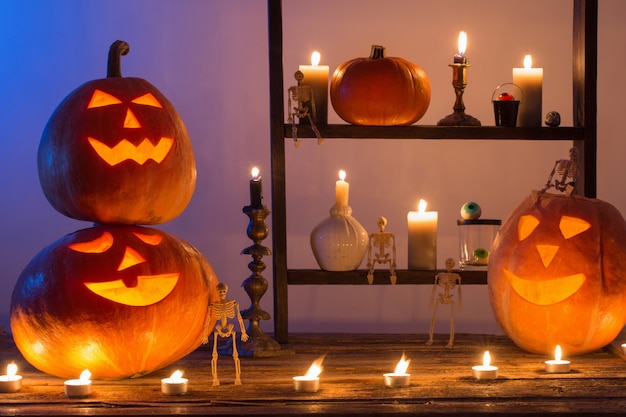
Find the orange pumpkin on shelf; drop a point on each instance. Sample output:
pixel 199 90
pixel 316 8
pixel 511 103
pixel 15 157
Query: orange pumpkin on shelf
pixel 121 301
pixel 380 91
pixel 116 151
pixel 557 274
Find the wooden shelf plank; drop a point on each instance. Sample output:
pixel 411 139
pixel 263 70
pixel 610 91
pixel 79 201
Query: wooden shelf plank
pixel 381 277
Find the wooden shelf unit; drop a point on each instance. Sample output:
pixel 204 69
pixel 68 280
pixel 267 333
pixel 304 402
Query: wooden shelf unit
pixel 582 135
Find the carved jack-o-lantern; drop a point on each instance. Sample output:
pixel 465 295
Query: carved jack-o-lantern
pixel 116 151
pixel 121 301
pixel 557 274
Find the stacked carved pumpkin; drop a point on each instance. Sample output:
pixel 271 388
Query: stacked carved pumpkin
pixel 119 299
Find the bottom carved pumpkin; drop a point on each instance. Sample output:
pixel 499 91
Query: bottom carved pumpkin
pixel 121 301
pixel 557 274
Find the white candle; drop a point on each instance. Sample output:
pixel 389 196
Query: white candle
pixel 460 58
pixel 422 238
pixel 310 382
pixel 11 382
pixel 530 81
pixel 342 190
pixel 316 76
pixel 399 377
pixel 557 365
pixel 486 370
pixel 77 388
pixel 175 384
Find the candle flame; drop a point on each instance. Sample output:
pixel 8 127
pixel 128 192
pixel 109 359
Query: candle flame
pixel 315 58
pixel 528 61
pixel 402 366
pixel 316 368
pixel 557 353
pixel 421 207
pixel 11 370
pixel 84 376
pixel 342 175
pixel 462 43
pixel 255 173
pixel 486 358
pixel 176 375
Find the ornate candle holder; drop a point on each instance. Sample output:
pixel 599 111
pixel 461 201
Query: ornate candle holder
pixel 459 82
pixel 258 344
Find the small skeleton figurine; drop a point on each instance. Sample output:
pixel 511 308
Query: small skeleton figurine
pixel 302 94
pixel 446 281
pixel 225 309
pixel 382 240
pixel 568 169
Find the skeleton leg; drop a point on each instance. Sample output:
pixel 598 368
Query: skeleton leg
pixel 317 132
pixel 451 341
pixel 214 357
pixel 432 325
pixel 236 360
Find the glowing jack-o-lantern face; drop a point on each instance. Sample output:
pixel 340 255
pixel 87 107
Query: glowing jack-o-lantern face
pixel 116 151
pixel 557 274
pixel 112 299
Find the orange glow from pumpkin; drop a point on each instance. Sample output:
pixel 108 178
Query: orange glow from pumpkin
pixel 98 245
pixel 149 239
pixel 526 225
pixel 125 150
pixel 131 121
pixel 545 292
pixel 150 289
pixel 572 226
pixel 148 100
pixel 547 253
pixel 131 258
pixel 102 99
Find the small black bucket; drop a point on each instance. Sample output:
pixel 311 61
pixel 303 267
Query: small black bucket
pixel 505 111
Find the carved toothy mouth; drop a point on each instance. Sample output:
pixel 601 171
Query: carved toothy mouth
pixel 545 292
pixel 125 150
pixel 150 289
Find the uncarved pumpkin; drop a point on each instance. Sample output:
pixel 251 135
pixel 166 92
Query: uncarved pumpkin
pixel 557 274
pixel 121 301
pixel 116 151
pixel 379 90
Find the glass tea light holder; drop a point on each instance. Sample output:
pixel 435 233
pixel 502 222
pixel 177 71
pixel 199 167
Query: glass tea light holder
pixel 475 239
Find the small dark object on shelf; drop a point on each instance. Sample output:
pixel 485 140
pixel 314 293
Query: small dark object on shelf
pixel 553 119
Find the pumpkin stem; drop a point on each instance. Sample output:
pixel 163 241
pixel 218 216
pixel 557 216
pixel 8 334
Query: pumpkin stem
pixel 114 63
pixel 378 52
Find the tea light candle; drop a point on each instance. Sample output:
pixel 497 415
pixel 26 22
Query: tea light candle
pixel 557 365
pixel 342 190
pixel 486 370
pixel 316 76
pixel 77 388
pixel 175 384
pixel 256 189
pixel 460 58
pixel 624 348
pixel 310 382
pixel 530 81
pixel 399 377
pixel 11 382
pixel 422 238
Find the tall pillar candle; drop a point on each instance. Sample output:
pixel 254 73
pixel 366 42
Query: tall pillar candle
pixel 342 190
pixel 530 81
pixel 422 245
pixel 316 76
pixel 256 189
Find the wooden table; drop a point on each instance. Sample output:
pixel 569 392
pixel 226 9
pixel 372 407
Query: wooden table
pixel 351 383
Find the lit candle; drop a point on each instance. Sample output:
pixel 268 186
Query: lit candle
pixel 316 76
pixel 342 190
pixel 460 58
pixel 422 238
pixel 11 382
pixel 624 348
pixel 399 377
pixel 557 365
pixel 175 384
pixel 256 189
pixel 76 388
pixel 486 370
pixel 530 81
pixel 311 381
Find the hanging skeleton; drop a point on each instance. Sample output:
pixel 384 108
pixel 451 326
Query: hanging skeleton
pixel 568 170
pixel 302 94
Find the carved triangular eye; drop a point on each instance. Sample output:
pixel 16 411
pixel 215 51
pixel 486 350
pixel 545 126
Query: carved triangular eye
pixel 101 99
pixel 572 226
pixel 98 245
pixel 147 100
pixel 526 225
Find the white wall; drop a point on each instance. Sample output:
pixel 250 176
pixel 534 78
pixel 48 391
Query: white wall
pixel 209 58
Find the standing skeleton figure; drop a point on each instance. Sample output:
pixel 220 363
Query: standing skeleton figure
pixel 446 281
pixel 302 94
pixel 568 169
pixel 382 240
pixel 225 309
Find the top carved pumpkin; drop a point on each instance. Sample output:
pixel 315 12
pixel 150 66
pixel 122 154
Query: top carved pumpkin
pixel 557 274
pixel 116 151
pixel 380 91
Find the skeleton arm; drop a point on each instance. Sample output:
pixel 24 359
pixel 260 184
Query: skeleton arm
pixel 244 335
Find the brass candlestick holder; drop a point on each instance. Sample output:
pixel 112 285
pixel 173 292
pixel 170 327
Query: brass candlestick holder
pixel 258 344
pixel 459 82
